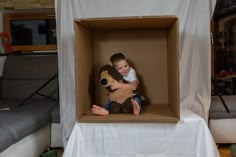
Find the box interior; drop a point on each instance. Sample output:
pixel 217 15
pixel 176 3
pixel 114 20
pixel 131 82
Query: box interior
pixel 151 46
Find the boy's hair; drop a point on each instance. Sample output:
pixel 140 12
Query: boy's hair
pixel 117 57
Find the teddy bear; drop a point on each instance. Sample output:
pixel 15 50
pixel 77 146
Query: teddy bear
pixel 120 99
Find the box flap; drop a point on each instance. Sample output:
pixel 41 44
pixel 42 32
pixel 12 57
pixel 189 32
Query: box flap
pixel 128 22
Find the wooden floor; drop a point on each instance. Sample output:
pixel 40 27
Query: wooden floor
pixel 224 150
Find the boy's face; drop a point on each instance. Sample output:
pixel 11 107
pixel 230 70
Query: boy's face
pixel 122 67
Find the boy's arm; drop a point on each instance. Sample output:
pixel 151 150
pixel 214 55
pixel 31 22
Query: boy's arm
pixel 132 85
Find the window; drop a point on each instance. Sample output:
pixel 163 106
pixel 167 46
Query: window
pixel 31 31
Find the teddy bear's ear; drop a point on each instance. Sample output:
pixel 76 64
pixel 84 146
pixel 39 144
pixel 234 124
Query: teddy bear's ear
pixel 104 74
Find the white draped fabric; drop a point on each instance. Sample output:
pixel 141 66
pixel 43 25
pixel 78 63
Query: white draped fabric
pixel 194 19
pixel 189 137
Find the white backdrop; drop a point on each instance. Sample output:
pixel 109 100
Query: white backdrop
pixel 194 17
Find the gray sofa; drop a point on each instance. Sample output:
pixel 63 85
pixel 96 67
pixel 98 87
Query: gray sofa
pixel 222 124
pixel 22 110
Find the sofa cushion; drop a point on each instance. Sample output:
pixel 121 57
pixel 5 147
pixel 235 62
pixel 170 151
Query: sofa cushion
pixel 30 66
pixel 23 75
pixel 20 122
pixel 21 89
pixel 217 109
pixel 7 104
pixel 6 138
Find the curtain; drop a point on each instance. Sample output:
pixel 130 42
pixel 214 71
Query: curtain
pixel 194 46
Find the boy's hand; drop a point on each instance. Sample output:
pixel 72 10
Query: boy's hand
pixel 107 93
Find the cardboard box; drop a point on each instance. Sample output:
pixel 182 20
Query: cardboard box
pixel 150 43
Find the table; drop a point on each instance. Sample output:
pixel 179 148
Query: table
pixel 190 137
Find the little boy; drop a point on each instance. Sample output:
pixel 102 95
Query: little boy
pixel 120 63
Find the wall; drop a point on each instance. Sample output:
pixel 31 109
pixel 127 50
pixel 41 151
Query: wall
pixel 26 4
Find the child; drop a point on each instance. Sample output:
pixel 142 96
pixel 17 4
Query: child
pixel 120 63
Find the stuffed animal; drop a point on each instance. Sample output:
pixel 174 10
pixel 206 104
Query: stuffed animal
pixel 120 99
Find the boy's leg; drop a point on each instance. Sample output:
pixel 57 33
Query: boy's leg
pixel 127 106
pixel 114 108
pixel 136 102
pixel 99 110
pixel 108 104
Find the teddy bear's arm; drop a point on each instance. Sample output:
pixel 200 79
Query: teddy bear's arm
pixel 120 95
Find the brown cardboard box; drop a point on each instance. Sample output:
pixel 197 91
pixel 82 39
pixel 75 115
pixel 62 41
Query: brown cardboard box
pixel 150 43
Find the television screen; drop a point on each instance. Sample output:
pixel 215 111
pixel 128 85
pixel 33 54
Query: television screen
pixel 33 32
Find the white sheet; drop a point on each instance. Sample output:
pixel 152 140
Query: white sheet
pixel 194 46
pixel 190 137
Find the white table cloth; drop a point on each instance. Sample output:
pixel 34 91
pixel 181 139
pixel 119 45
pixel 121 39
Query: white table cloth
pixel 190 137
